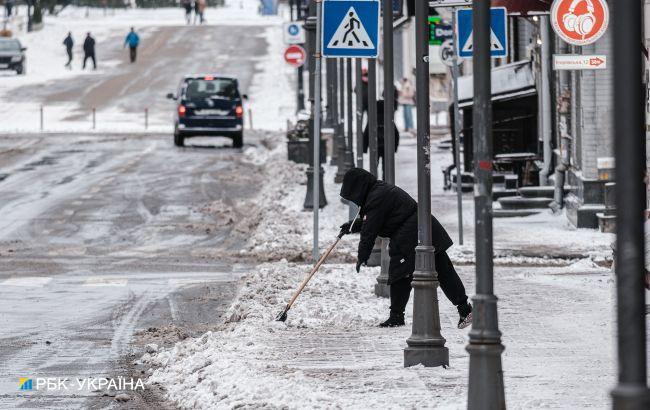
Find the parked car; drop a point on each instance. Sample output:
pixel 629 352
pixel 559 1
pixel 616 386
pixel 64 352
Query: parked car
pixel 208 105
pixel 12 55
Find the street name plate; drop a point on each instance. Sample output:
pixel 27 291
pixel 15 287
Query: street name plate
pixel 579 62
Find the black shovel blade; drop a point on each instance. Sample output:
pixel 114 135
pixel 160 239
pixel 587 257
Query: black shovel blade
pixel 282 317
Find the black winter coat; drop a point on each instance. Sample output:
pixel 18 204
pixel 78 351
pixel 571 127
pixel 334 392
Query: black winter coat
pixel 380 132
pixel 389 212
pixel 89 45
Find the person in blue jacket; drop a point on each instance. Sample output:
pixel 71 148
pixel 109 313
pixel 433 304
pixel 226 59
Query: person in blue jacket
pixel 132 40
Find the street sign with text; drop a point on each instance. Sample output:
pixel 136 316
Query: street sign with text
pixel 439 31
pixel 498 32
pixel 579 62
pixel 350 28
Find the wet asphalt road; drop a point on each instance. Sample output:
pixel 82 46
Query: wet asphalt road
pixel 108 242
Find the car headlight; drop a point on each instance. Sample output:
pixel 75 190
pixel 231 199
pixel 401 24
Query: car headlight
pixel 16 59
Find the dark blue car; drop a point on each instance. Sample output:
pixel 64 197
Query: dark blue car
pixel 208 105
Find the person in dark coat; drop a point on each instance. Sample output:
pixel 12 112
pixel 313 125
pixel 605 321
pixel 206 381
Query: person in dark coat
pixel 89 51
pixel 389 212
pixel 68 43
pixel 380 137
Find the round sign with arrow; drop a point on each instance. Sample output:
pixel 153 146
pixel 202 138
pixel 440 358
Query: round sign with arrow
pixel 447 53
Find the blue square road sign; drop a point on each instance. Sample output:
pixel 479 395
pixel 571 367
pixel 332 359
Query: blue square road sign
pixel 498 32
pixel 350 28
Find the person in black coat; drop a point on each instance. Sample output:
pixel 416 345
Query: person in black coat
pixel 68 43
pixel 89 50
pixel 380 137
pixel 389 212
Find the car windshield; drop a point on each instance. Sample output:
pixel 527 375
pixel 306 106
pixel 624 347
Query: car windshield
pixel 201 88
pixel 9 45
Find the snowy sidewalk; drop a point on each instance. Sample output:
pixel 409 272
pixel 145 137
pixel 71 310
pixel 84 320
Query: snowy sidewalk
pixel 330 354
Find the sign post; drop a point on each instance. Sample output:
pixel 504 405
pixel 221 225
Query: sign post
pixel 455 73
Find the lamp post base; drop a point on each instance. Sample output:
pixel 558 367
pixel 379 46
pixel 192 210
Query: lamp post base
pixel 486 390
pixel 382 290
pixel 428 356
pixel 309 196
pixel 631 397
pixel 375 255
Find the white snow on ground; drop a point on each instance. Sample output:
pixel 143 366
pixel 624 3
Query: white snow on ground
pixel 329 354
pixel 46 59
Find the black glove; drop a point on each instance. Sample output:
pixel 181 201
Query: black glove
pixel 359 263
pixel 356 226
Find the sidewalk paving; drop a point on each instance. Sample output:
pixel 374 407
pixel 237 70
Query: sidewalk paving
pixel 556 324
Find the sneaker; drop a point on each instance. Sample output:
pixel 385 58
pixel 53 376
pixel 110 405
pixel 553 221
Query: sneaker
pixel 393 321
pixel 465 321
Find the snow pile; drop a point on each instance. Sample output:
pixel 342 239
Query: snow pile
pixel 238 366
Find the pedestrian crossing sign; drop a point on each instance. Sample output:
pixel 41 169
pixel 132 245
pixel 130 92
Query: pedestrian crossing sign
pixel 350 28
pixel 498 32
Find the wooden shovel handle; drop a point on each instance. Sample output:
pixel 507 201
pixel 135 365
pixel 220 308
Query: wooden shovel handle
pixel 313 271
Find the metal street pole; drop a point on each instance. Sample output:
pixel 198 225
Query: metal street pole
pixel 349 154
pixel 372 115
pixel 341 131
pixel 485 391
pixel 317 114
pixel 455 72
pixel 631 392
pixel 388 167
pixel 381 287
pixel 359 111
pixel 300 89
pixel 315 103
pixel 389 94
pixel 333 101
pixel 426 345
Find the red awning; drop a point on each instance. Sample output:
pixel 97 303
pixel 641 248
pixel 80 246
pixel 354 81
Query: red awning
pixel 524 7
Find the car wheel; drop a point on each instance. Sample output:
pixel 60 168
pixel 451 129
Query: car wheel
pixel 179 140
pixel 238 140
pixel 20 70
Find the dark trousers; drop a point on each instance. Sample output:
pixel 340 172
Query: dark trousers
pixel 450 283
pixel 69 51
pixel 133 53
pixel 92 57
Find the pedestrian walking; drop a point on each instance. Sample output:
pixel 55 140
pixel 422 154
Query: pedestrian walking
pixel 196 10
pixel 203 4
pixel 389 212
pixel 406 98
pixel 89 51
pixel 187 5
pixel 132 40
pixel 68 42
pixel 380 137
pixel 9 6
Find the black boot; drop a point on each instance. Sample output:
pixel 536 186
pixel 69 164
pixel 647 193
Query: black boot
pixel 395 320
pixel 465 313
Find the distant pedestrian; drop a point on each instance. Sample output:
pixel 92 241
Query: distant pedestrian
pixel 187 5
pixel 196 10
pixel 68 43
pixel 203 4
pixel 406 98
pixel 380 137
pixel 132 40
pixel 89 51
pixel 9 6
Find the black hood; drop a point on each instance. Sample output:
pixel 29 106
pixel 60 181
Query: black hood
pixel 357 183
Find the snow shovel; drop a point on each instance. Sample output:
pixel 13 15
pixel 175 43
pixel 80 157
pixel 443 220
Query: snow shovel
pixel 283 315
